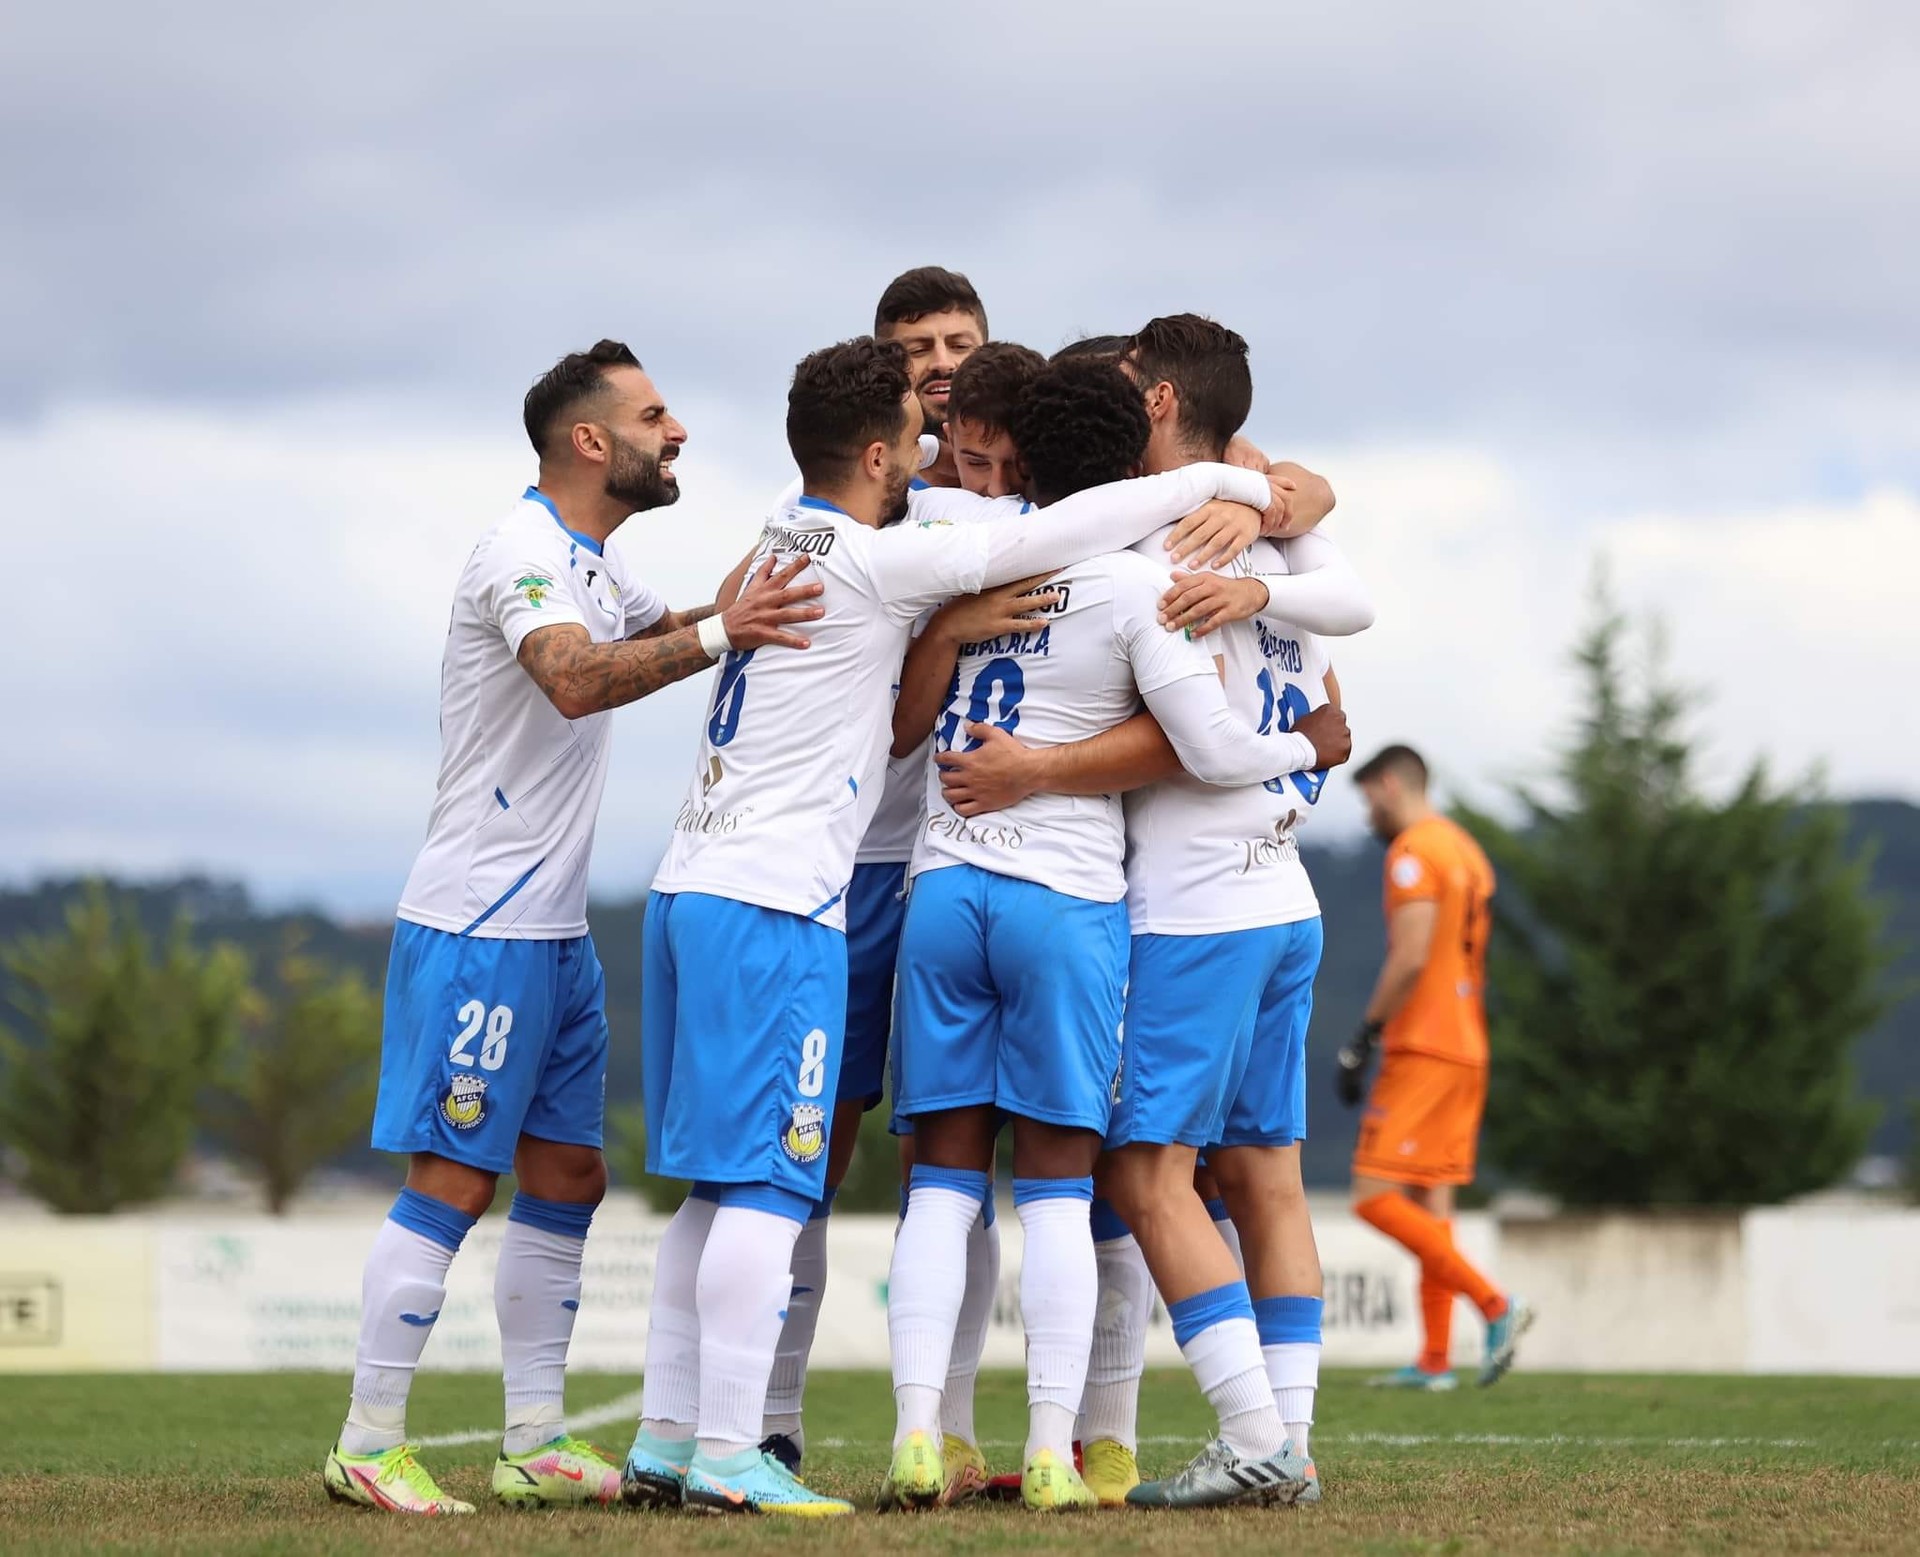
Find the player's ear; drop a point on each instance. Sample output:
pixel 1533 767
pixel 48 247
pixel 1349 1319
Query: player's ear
pixel 590 441
pixel 874 461
pixel 1162 401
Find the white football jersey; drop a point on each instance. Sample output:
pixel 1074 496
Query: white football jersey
pixel 788 773
pixel 1201 859
pixel 511 833
pixel 1080 669
pixel 896 821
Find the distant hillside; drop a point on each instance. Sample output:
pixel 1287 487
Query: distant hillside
pixel 1348 880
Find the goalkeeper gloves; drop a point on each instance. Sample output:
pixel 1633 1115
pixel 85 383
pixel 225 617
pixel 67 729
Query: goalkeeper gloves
pixel 1351 1078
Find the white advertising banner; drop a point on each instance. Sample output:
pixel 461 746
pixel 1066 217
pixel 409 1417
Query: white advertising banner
pixel 1833 1291
pixel 250 1293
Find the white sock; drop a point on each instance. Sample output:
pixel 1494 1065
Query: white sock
pixel 1111 1405
pixel 401 1290
pixel 670 1388
pixel 970 1332
pixel 746 1276
pixel 536 1294
pixel 787 1389
pixel 1229 1234
pixel 925 1288
pixel 1059 1292
pixel 1227 1365
pixel 1293 1374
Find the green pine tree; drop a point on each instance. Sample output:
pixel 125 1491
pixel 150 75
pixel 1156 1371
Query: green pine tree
pixel 300 1085
pixel 98 1097
pixel 1677 982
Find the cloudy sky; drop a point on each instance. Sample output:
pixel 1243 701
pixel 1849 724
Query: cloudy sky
pixel 1533 285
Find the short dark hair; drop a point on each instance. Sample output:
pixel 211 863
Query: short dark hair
pixel 575 377
pixel 1079 424
pixel 843 398
pixel 1207 365
pixel 1402 761
pixel 1109 347
pixel 913 294
pixel 988 385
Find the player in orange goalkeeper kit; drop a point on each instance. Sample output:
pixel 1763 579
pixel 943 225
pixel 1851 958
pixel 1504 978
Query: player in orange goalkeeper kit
pixel 1428 1015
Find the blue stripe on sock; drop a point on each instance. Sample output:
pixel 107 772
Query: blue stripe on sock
pixel 1025 1190
pixel 1204 1310
pixel 1217 1209
pixel 1287 1320
pixel 823 1207
pixel 904 1194
pixel 986 1205
pixel 432 1219
pixel 770 1198
pixel 1107 1224
pixel 965 1181
pixel 568 1218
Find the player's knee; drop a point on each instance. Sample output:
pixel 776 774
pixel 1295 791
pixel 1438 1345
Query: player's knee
pixel 468 1190
pixel 576 1175
pixel 1050 1151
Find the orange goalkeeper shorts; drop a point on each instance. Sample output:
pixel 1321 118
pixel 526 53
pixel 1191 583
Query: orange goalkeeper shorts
pixel 1422 1121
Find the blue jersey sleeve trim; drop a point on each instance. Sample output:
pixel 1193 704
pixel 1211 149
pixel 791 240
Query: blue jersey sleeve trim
pixel 504 898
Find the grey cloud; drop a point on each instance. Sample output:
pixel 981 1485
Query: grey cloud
pixel 1519 224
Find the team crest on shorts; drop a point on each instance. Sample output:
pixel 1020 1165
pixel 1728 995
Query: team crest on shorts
pixel 465 1104
pixel 806 1137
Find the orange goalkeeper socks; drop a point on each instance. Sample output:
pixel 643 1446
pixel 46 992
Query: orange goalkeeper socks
pixel 1431 1241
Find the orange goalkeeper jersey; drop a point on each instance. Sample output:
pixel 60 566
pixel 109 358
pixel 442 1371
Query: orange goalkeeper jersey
pixel 1437 861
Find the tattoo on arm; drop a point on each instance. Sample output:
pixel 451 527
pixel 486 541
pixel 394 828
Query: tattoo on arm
pixel 673 621
pixel 582 677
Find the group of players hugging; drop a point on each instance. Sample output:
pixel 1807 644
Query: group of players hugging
pixel 1022 693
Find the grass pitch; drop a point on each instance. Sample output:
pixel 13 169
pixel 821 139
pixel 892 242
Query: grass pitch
pixel 1541 1464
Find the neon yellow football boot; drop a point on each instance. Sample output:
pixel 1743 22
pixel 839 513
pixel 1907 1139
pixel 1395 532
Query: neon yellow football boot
pixel 392 1480
pixel 965 1470
pixel 565 1473
pixel 917 1478
pixel 1051 1485
pixel 1110 1470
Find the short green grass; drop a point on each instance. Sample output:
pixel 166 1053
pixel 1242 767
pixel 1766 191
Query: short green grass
pixel 192 1464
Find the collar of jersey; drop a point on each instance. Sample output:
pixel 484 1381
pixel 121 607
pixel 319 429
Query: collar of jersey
pixel 535 495
pixel 821 502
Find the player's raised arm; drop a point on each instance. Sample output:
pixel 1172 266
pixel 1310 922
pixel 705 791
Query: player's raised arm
pixel 581 677
pixel 1320 592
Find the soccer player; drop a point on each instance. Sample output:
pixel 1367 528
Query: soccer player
pixel 1013 958
pixel 1421 1127
pixel 938 320
pixel 940 323
pixel 495 1045
pixel 1225 924
pixel 745 973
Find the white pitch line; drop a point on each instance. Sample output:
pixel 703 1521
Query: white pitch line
pixel 626 1408
pixel 622 1408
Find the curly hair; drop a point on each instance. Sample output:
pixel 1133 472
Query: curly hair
pixel 1080 423
pixel 1207 365
pixel 578 376
pixel 988 385
pixel 844 398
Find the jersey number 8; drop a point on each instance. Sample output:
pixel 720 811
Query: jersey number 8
pixel 731 697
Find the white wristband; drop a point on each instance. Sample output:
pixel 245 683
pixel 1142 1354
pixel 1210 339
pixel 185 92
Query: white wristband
pixel 713 636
